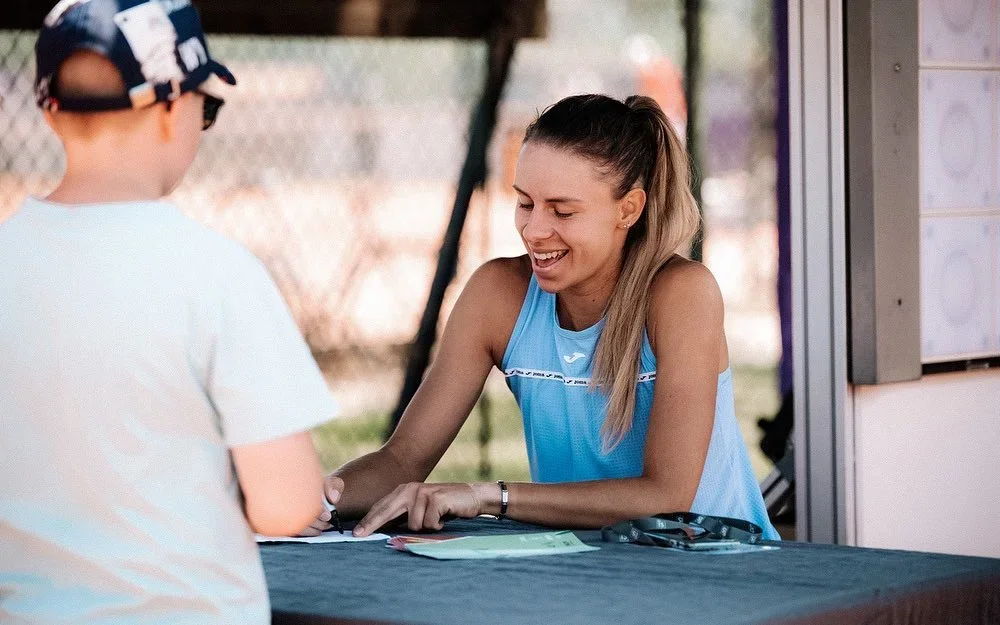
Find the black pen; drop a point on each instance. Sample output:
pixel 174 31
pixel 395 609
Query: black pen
pixel 336 520
pixel 334 516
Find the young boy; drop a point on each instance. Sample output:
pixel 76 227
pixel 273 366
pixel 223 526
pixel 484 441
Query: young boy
pixel 154 390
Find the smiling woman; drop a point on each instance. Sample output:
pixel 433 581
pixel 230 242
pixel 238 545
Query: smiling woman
pixel 611 342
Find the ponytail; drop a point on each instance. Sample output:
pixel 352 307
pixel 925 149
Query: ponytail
pixel 667 225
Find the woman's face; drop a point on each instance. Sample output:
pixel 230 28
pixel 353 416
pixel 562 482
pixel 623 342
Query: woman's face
pixel 568 218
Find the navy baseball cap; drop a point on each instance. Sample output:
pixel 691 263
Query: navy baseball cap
pixel 157 45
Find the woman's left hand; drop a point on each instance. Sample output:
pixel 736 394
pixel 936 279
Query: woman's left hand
pixel 426 505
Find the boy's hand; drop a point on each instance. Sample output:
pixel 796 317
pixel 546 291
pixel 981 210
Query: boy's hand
pixel 332 486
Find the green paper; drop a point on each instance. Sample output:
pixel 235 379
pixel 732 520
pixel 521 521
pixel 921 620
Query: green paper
pixel 507 546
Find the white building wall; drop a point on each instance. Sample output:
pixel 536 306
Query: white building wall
pixel 927 464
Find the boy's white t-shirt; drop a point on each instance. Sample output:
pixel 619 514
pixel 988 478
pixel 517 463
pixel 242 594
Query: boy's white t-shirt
pixel 136 348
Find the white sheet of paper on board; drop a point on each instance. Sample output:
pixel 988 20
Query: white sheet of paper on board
pixel 957 284
pixel 995 228
pixel 956 140
pixel 957 31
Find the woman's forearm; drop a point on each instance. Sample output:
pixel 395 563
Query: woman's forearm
pixel 585 504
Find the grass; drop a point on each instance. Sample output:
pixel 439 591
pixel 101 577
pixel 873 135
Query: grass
pixel 347 438
pixel 505 458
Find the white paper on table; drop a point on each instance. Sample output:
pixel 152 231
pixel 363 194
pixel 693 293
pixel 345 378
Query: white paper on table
pixel 325 537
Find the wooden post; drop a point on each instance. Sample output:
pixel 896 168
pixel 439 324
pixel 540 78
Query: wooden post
pixel 692 89
pixel 501 44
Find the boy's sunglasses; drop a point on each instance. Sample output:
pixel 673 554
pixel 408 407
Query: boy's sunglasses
pixel 210 111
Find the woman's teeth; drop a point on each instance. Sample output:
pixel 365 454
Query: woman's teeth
pixel 549 255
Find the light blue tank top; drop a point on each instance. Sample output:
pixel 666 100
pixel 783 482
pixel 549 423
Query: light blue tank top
pixel 548 368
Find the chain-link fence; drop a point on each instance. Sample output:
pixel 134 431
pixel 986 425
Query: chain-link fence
pixel 334 162
pixel 336 159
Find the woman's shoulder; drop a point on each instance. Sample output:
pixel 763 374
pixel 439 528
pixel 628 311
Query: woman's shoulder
pixel 502 283
pixel 498 289
pixel 502 279
pixel 687 276
pixel 683 286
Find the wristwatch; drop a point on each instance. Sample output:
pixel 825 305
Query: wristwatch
pixel 504 498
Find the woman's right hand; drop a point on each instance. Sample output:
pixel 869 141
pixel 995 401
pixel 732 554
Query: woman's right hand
pixel 333 486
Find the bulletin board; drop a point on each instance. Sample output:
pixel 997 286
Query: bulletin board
pixel 959 179
pixel 922 112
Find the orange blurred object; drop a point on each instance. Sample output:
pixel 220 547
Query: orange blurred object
pixel 662 80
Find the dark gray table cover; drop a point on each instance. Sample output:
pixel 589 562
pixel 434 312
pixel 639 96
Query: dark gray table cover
pixel 621 583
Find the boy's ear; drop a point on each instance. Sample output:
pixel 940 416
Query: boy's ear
pixel 168 114
pixel 49 120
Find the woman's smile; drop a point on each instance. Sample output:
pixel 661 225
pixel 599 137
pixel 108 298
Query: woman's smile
pixel 544 261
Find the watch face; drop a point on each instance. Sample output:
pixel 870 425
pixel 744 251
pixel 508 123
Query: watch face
pixel 504 497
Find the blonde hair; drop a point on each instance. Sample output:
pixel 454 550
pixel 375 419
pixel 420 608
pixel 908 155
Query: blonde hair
pixel 636 145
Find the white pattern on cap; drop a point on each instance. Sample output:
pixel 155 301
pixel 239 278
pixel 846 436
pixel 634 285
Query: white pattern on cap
pixel 59 9
pixel 153 40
